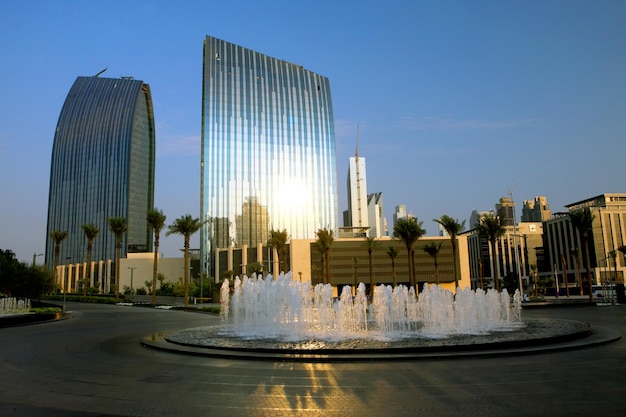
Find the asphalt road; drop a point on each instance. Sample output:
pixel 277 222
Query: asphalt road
pixel 94 365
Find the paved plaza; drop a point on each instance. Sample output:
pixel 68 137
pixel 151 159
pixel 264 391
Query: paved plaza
pixel 94 365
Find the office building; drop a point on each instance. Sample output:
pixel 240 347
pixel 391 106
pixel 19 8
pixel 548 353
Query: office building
pixel 376 215
pixel 357 193
pixel 102 167
pixel 268 150
pixel 536 210
pixel 400 213
pixel 564 245
pixel 505 209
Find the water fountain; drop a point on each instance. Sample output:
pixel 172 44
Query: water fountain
pixel 292 311
pixel 11 306
pixel 284 319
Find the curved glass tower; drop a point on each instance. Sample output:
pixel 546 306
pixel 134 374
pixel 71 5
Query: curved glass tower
pixel 102 166
pixel 268 149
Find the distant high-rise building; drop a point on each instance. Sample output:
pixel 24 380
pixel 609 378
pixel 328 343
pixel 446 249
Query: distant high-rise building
pixel 357 192
pixel 399 213
pixel 268 141
pixel 505 209
pixel 376 215
pixel 475 217
pixel 536 210
pixel 102 167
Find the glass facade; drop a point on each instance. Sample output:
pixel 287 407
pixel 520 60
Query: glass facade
pixel 268 149
pixel 102 166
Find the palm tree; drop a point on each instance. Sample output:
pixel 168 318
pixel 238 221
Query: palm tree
pixel 156 220
pixel 452 228
pixel 409 231
pixel 354 281
pixel 393 252
pixel 278 240
pixel 254 268
pixel 118 226
pixel 433 249
pixel 490 227
pixel 325 238
pixel 91 231
pixel 575 253
pixel 370 244
pixel 186 226
pixel 582 220
pixel 57 236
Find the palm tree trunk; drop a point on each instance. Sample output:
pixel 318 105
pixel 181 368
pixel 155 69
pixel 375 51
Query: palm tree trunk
pixel 186 274
pixel 87 277
pixel 496 266
pixel 587 268
pixel 155 268
pixel 413 268
pixel 456 275
pixel 118 255
pixel 327 256
pixel 564 262
pixel 371 277
pixel 408 255
pixel 56 265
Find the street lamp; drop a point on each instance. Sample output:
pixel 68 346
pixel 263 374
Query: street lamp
pixel 132 269
pixel 35 255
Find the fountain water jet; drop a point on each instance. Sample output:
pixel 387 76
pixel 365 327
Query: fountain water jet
pixel 290 310
pixel 13 306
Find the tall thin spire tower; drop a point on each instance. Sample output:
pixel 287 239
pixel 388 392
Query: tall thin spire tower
pixel 358 181
pixel 357 190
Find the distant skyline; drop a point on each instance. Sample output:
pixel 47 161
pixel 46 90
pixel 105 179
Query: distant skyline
pixel 458 103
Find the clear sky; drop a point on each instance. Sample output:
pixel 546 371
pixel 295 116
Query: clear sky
pixel 458 102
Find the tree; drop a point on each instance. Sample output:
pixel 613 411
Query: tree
pixel 582 220
pixel 325 239
pixel 575 253
pixel 185 226
pixel 409 231
pixel 433 249
pixel 57 237
pixel 21 280
pixel 91 231
pixel 491 227
pixel 148 285
pixel 452 228
pixel 393 253
pixel 278 240
pixel 117 225
pixel 156 220
pixel 254 268
pixel 370 244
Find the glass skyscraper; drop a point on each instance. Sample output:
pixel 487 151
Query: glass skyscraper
pixel 268 149
pixel 102 166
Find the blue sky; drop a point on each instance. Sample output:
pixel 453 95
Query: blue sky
pixel 458 102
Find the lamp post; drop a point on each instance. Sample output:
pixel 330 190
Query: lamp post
pixel 132 269
pixel 35 255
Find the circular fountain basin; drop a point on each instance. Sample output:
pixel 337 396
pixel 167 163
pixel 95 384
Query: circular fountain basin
pixel 220 341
